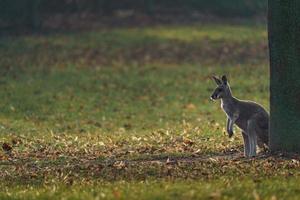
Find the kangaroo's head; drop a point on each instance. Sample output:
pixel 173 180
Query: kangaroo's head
pixel 222 90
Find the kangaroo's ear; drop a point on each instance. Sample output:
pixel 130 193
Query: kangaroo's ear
pixel 224 79
pixel 217 80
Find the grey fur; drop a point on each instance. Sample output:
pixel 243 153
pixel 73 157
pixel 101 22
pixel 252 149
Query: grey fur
pixel 249 116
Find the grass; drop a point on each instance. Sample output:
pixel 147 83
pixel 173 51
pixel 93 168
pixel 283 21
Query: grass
pixel 105 114
pixel 216 189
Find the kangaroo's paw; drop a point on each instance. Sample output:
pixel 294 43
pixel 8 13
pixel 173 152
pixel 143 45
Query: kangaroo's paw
pixel 230 134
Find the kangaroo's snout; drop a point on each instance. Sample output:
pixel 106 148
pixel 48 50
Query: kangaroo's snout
pixel 217 94
pixel 213 97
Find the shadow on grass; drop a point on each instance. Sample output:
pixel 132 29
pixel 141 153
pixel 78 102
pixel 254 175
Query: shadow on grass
pixel 203 166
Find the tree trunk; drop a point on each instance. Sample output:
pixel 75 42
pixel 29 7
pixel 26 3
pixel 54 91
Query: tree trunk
pixel 284 45
pixel 149 6
pixel 33 19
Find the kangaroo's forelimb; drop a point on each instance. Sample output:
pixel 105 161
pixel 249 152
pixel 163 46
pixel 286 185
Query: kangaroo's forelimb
pixel 229 127
pixel 230 123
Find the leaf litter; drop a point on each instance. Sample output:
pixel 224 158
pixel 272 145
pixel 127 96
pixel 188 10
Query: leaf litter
pixel 159 155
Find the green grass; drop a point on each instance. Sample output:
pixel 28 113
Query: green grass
pixel 216 189
pixel 86 114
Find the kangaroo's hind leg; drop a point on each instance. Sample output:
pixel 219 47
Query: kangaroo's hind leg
pixel 262 139
pixel 246 144
pixel 251 131
pixel 260 143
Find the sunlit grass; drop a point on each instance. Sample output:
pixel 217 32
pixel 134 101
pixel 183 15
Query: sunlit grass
pixel 217 189
pixel 234 33
pixel 195 44
pixel 147 98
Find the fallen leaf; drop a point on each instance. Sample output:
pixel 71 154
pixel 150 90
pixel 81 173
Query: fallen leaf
pixel 6 147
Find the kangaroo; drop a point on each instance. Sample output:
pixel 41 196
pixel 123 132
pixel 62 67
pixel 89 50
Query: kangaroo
pixel 249 116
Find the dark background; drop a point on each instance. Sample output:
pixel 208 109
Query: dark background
pixel 43 14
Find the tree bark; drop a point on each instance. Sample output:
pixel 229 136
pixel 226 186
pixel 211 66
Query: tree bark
pixel 284 45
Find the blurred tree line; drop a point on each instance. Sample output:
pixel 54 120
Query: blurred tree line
pixel 30 12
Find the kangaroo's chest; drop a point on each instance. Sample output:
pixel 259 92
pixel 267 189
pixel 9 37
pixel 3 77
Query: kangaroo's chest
pixel 230 110
pixel 233 113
